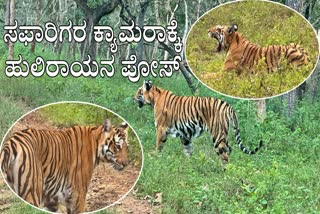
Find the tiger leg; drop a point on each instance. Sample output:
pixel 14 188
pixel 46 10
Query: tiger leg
pixel 161 137
pixel 222 149
pixel 27 175
pixel 75 203
pixel 229 65
pixel 187 144
pixel 51 204
pixel 82 202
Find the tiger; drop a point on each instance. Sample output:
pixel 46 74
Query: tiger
pixel 242 53
pixel 50 168
pixel 188 117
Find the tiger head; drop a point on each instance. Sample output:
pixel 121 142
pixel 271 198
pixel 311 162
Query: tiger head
pixel 224 35
pixel 144 94
pixel 114 144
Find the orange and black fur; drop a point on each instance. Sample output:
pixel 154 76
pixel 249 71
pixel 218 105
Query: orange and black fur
pixel 241 53
pixel 49 168
pixel 187 117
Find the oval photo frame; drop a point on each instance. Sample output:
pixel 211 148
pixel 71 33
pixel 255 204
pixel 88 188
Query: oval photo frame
pixel 222 49
pixel 115 155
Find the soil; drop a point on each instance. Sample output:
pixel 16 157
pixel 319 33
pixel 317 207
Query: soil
pixel 133 205
pixel 107 185
pixel 6 196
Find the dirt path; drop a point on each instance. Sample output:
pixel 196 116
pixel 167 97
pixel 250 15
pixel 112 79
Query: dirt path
pixel 6 196
pixel 107 185
pixel 133 205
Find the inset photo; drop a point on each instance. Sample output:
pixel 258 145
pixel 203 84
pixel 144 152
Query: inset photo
pixel 71 157
pixel 252 49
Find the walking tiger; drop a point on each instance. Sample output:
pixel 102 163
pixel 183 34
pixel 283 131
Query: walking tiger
pixel 187 117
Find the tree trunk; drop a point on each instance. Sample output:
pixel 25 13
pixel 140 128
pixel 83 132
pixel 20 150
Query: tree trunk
pixel 11 44
pixel 91 45
pixel 182 67
pixel 261 110
pixel 93 17
pixel 198 9
pixel 7 17
pixel 185 25
pixel 140 46
pixel 291 101
pixel 169 18
pixel 156 43
pixel 37 22
pixel 294 4
pixel 291 96
pixel 300 90
pixel 312 83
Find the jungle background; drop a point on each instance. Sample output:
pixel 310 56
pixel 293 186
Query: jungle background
pixel 282 178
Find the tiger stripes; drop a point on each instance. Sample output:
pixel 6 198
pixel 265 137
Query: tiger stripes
pixel 48 168
pixel 243 53
pixel 187 117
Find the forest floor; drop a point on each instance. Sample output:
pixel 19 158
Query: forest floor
pixel 6 196
pixel 106 188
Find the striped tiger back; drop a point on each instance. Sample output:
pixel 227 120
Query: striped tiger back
pixel 52 167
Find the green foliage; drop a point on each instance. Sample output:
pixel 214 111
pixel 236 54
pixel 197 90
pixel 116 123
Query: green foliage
pixel 21 208
pixel 283 177
pixel 71 114
pixel 276 180
pixel 283 172
pixel 10 111
pixel 261 183
pixel 261 28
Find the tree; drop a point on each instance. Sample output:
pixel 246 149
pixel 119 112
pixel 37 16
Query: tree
pixel 7 15
pixel 92 17
pixel 37 22
pixel 11 22
pixel 140 47
pixel 261 109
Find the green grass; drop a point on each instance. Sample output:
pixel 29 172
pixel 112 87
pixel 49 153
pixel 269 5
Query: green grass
pixel 281 178
pixel 276 180
pixel 70 114
pixel 258 26
pixel 10 111
pixel 20 207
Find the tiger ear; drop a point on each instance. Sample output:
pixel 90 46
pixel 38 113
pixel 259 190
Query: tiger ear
pixel 107 125
pixel 124 126
pixel 233 28
pixel 147 84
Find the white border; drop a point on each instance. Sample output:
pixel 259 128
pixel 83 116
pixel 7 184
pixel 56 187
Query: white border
pixel 246 98
pixel 84 103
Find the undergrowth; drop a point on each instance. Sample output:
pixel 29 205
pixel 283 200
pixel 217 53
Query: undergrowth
pixel 283 177
pixel 255 27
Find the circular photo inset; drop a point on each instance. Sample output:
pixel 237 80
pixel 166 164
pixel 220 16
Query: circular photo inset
pixel 71 157
pixel 252 49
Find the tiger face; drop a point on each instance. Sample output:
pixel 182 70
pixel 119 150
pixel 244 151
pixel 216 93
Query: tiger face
pixel 114 145
pixel 224 35
pixel 144 95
